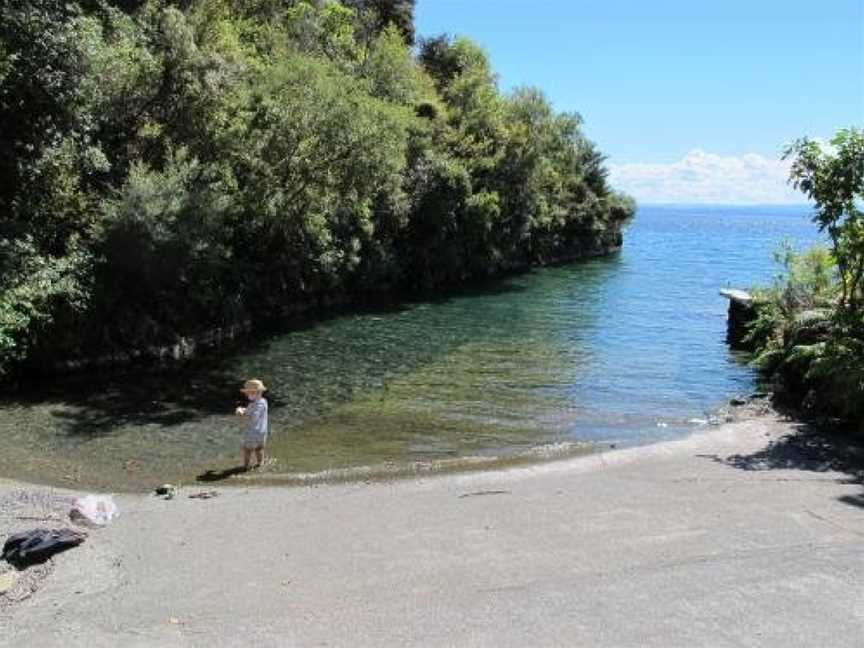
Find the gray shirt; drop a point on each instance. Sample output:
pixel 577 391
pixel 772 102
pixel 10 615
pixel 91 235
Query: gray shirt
pixel 257 413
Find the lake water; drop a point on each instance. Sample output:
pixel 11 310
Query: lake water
pixel 622 350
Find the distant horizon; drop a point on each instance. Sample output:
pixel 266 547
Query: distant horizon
pixel 721 204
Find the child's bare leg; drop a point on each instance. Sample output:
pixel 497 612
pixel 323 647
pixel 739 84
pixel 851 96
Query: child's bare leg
pixel 247 457
pixel 259 456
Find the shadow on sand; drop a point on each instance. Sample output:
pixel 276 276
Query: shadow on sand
pixel 220 475
pixel 809 448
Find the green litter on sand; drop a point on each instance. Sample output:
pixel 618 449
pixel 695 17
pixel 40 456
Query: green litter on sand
pixel 168 490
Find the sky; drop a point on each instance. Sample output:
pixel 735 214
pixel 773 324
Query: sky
pixel 692 101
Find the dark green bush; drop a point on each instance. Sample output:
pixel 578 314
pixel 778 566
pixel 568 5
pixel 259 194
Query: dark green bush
pixel 169 167
pixel 809 327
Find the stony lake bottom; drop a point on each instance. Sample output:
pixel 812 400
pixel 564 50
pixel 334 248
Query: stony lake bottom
pixel 621 350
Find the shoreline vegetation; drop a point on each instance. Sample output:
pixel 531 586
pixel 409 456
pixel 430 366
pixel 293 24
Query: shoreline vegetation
pixel 174 168
pixel 192 345
pixel 807 329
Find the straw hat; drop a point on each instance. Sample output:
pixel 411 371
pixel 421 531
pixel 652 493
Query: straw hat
pixel 253 385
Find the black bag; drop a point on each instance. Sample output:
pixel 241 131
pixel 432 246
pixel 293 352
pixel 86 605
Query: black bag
pixel 38 545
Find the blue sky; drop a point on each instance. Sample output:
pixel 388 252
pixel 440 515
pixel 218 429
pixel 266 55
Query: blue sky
pixel 679 93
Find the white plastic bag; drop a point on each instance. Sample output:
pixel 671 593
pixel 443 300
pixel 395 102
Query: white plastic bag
pixel 93 510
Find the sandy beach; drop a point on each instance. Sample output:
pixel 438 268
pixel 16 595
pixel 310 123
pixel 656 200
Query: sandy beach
pixel 747 534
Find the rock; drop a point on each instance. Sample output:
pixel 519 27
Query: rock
pixel 737 402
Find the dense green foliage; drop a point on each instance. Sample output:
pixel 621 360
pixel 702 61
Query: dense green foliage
pixel 809 330
pixel 173 166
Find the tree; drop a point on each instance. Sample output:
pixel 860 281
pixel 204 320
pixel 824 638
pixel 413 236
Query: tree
pixel 312 157
pixel 171 165
pixel 809 328
pixel 399 13
pixel 833 177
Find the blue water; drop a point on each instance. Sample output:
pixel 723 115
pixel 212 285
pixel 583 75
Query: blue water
pixel 661 329
pixel 624 349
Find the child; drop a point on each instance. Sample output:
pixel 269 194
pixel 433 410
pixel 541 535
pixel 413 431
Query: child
pixel 256 432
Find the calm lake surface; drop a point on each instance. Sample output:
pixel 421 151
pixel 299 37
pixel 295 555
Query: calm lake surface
pixel 622 350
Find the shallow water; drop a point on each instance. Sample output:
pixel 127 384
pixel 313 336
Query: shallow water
pixel 621 350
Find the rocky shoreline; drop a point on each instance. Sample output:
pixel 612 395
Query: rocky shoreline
pixel 212 340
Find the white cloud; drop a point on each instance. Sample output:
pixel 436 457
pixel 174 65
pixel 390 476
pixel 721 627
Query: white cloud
pixel 702 177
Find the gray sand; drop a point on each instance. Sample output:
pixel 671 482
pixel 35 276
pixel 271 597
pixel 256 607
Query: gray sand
pixel 717 540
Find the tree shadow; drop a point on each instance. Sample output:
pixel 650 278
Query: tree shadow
pixel 853 500
pixel 100 402
pixel 145 394
pixel 810 448
pixel 95 404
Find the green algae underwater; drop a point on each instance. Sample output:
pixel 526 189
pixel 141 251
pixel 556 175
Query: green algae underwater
pixel 621 350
